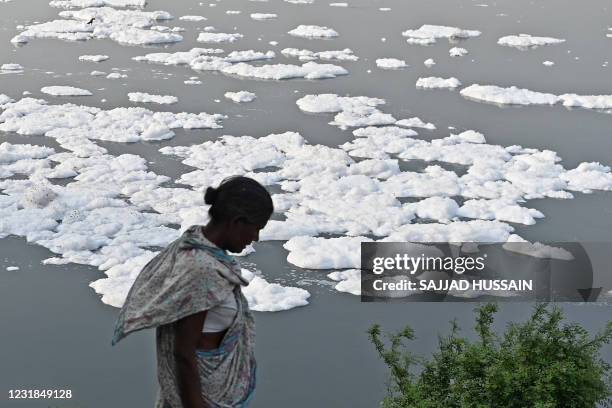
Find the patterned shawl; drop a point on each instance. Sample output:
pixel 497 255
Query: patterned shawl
pixel 189 276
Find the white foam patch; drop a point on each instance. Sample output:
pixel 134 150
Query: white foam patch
pixel 588 177
pixel 130 27
pixel 241 96
pixel 235 64
pixel 508 96
pixel 519 245
pixel 93 58
pixel 390 63
pixel 271 297
pixel 313 31
pixel 72 126
pixel 517 96
pixel 309 70
pixel 308 55
pixel 415 123
pixel 4 100
pixel 349 281
pixel 524 41
pixel 11 68
pixel 149 98
pixel 457 52
pixel 192 18
pixel 263 16
pixel 352 111
pixel 325 253
pixel 65 91
pixel 177 58
pixel 438 83
pixel 68 4
pixel 428 34
pixel 116 75
pixel 219 37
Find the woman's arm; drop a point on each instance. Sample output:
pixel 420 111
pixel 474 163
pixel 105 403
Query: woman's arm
pixel 188 330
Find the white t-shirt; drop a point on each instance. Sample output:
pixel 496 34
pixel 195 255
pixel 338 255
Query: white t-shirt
pixel 221 316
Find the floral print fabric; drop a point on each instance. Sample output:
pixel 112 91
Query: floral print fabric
pixel 189 276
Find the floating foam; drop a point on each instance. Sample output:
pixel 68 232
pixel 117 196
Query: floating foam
pixel 218 37
pixel 313 31
pixel 271 297
pixel 508 96
pixel 11 67
pixel 65 91
pixel 428 34
pixel 438 83
pixel 516 96
pixel 309 70
pixel 307 55
pixel 325 253
pixel 457 52
pixel 416 123
pixel 73 125
pixel 148 98
pixel 193 18
pixel 93 58
pixel 123 26
pixel 68 4
pixel 349 281
pixel 524 41
pixel 240 96
pixel 390 63
pixel 263 16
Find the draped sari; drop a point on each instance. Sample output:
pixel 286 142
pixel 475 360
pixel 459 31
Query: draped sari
pixel 189 276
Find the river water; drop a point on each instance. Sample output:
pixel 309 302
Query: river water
pixel 56 332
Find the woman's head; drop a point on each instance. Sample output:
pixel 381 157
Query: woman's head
pixel 239 208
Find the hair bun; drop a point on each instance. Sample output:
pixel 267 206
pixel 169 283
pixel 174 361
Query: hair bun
pixel 210 196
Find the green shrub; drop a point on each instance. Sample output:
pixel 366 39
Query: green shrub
pixel 541 363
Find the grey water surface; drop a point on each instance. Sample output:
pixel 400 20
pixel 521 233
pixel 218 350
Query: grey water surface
pixel 56 332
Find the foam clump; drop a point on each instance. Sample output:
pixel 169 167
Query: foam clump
pixel 202 59
pixel 271 297
pixel 73 126
pixel 143 97
pixel 219 37
pixel 132 27
pixel 518 96
pixel 322 253
pixel 428 34
pixel 307 55
pixel 65 91
pixel 508 96
pixel 457 52
pixel 524 41
pixel 351 111
pixel 5 100
pixel 438 83
pixel 313 31
pixel 309 70
pixel 263 16
pixel 93 58
pixel 193 18
pixel 11 68
pixel 349 281
pixel 68 4
pixel 240 96
pixel 390 63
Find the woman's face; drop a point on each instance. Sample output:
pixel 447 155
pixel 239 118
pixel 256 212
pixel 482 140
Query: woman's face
pixel 241 233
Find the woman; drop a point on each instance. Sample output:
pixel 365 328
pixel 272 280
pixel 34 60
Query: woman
pixel 191 292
